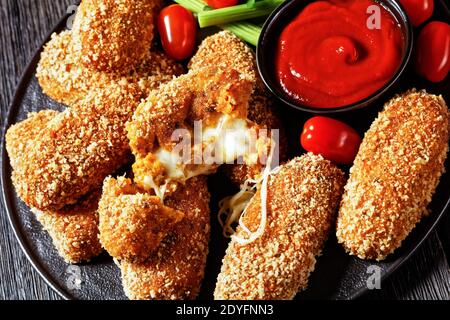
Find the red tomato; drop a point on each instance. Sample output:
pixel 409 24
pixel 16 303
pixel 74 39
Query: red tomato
pixel 418 11
pixel 217 4
pixel 333 139
pixel 433 51
pixel 178 31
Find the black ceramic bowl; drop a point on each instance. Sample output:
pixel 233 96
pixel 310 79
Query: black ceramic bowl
pixel 278 20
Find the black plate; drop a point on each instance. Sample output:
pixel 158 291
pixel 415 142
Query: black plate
pixel 337 275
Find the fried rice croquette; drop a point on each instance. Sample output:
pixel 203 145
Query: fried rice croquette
pixel 175 271
pixel 224 50
pixel 240 57
pixel 395 174
pixel 77 150
pixel 114 35
pixel 73 229
pixel 64 78
pixel 204 95
pixel 132 223
pixel 20 136
pixel 302 199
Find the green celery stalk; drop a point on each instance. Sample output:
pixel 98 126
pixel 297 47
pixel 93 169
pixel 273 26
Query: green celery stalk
pixel 195 6
pixel 244 30
pixel 237 13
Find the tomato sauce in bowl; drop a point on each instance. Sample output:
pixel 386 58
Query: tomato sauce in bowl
pixel 336 53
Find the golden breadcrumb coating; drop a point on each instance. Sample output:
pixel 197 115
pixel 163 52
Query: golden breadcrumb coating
pixel 198 95
pixel 175 271
pixel 74 229
pixel 224 50
pixel 114 35
pixel 20 137
pixel 132 224
pixel 77 150
pixel 302 199
pixel 394 175
pixel 64 78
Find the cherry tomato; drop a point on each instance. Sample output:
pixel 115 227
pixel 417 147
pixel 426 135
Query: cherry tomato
pixel 217 4
pixel 333 139
pixel 433 51
pixel 178 31
pixel 418 11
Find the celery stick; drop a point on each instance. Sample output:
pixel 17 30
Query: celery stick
pixel 195 6
pixel 237 13
pixel 244 30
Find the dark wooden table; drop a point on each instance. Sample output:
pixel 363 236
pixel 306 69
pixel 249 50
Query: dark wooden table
pixel 23 25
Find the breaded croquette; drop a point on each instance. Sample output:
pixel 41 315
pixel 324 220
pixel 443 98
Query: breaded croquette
pixel 220 83
pixel 176 269
pixel 65 79
pixel 395 174
pixel 225 50
pixel 132 224
pixel 302 199
pixel 77 150
pixel 207 94
pixel 114 35
pixel 240 57
pixel 74 229
pixel 20 136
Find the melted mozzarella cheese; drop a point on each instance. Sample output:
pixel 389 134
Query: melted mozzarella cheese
pixel 230 139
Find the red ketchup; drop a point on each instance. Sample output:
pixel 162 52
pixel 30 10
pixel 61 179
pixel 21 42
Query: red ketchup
pixel 328 57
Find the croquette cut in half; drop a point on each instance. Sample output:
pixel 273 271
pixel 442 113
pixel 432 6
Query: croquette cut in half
pixel 176 269
pixel 302 200
pixel 395 174
pixel 73 229
pixel 261 112
pixel 221 92
pixel 240 57
pixel 132 223
pixel 114 35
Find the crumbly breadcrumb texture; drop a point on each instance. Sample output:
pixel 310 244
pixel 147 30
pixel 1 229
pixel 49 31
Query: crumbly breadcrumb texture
pixel 64 78
pixel 175 271
pixel 77 150
pixel 114 35
pixel 132 224
pixel 394 175
pixel 302 200
pixel 224 50
pixel 73 229
pixel 20 137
